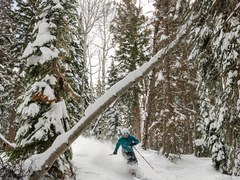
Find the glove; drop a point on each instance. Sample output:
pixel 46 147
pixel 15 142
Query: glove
pixel 114 153
pixel 133 144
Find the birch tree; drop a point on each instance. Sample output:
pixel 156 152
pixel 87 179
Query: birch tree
pixel 92 14
pixel 105 37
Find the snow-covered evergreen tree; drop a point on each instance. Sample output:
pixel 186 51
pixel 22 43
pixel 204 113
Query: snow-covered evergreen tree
pixel 4 58
pixel 203 126
pixel 217 52
pixel 107 126
pixel 8 71
pixel 50 104
pixel 131 42
pixel 170 102
pixel 78 76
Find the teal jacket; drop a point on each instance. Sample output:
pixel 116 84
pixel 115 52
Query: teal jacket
pixel 126 143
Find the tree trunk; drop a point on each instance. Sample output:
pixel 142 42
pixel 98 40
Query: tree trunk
pixel 137 116
pixel 151 94
pixel 149 109
pixel 12 125
pixel 168 114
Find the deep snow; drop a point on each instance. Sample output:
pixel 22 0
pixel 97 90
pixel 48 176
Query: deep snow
pixel 93 162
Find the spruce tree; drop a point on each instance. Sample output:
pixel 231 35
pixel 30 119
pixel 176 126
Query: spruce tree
pixel 107 126
pixel 50 103
pixel 112 117
pixel 8 71
pixel 170 108
pixel 4 58
pixel 217 52
pixel 130 38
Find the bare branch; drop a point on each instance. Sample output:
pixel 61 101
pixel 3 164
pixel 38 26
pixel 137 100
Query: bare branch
pixel 6 141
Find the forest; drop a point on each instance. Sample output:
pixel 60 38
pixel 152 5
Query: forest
pixel 169 70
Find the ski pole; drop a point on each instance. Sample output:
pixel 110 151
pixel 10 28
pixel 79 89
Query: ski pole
pixel 143 157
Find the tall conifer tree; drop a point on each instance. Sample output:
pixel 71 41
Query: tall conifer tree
pixel 50 103
pixel 171 88
pixel 217 51
pixel 131 38
pixel 8 71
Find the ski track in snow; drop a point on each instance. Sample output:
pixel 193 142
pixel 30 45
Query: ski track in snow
pixel 93 161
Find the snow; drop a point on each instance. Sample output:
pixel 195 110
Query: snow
pixel 1 88
pixel 42 38
pixel 199 142
pixel 231 76
pixel 58 6
pixel 93 161
pixel 51 79
pixel 31 110
pixel 43 35
pixel 147 6
pixel 49 92
pixel 58 111
pixel 55 115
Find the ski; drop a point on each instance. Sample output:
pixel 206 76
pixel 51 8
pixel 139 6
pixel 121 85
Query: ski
pixel 139 178
pixel 136 176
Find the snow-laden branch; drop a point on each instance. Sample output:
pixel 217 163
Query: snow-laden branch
pixel 6 141
pixel 40 163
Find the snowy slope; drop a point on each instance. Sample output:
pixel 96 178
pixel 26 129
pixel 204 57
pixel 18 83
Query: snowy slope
pixel 92 160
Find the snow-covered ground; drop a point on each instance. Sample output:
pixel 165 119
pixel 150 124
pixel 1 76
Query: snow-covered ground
pixel 93 162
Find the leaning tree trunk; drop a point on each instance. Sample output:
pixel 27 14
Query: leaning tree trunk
pixel 41 163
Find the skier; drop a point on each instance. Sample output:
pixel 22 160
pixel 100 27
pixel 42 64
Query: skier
pixel 127 142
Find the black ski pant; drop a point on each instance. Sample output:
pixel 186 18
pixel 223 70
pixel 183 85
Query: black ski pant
pixel 130 157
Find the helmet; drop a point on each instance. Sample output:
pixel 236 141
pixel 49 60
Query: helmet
pixel 125 131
